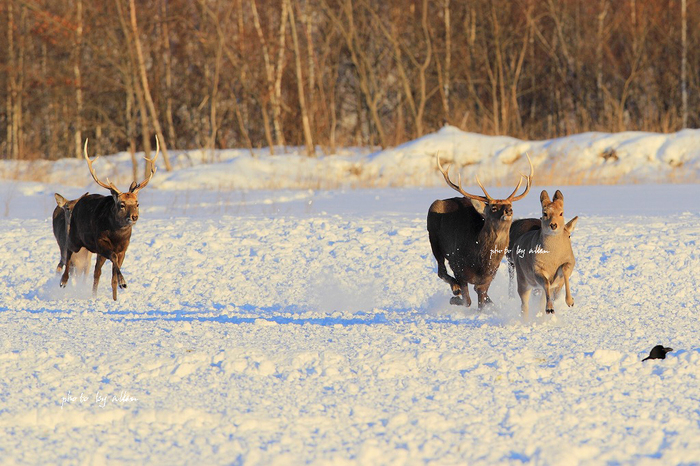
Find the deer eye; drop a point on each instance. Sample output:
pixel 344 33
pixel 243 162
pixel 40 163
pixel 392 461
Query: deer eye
pixel 561 214
pixel 122 205
pixel 494 208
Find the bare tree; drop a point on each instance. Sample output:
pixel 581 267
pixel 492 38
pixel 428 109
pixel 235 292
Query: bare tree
pixel 77 51
pixel 684 62
pixel 364 67
pixel 308 138
pixel 273 74
pixel 144 84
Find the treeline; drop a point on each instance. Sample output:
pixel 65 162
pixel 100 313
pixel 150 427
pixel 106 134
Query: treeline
pixel 330 73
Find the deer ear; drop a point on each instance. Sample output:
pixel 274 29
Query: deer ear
pixel 571 224
pixel 479 206
pixel 558 196
pixel 544 197
pixel 60 200
pixel 133 186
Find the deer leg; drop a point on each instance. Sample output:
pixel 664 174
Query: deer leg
pixel 117 277
pixel 120 261
pixel 567 269
pixel 524 291
pixel 115 273
pixel 549 308
pixel 464 300
pixel 99 261
pixel 442 273
pixel 64 277
pixel 482 295
pixel 442 269
pixel 511 276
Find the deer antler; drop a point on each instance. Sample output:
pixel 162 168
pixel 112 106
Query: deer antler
pixel 527 187
pixel 153 169
pixel 458 187
pixel 109 185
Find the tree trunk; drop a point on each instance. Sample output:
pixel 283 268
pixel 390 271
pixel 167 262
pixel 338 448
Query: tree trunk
pixel 308 138
pixel 146 89
pixel 11 80
pixel 277 106
pixel 599 48
pixel 447 85
pixel 137 90
pixel 270 77
pixel 215 94
pixel 131 125
pixel 684 63
pixel 78 79
pixel 167 62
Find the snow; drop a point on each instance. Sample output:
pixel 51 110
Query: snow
pixel 589 158
pixel 308 326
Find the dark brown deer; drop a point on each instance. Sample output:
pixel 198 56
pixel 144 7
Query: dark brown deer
pixel 61 225
pixel 102 225
pixel 471 233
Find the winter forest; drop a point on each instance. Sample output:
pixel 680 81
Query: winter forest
pixel 322 74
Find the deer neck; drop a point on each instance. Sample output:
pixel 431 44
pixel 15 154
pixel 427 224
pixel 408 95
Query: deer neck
pixel 494 234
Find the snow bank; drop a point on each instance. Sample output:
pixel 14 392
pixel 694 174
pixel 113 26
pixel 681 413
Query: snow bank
pixel 590 158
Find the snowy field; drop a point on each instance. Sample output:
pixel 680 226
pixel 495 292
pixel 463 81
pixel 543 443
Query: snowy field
pixel 304 327
pixel 310 327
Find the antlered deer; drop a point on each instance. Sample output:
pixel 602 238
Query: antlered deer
pixel 543 257
pixel 102 224
pixel 471 232
pixel 61 225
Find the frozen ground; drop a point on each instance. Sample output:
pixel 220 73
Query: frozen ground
pixel 304 327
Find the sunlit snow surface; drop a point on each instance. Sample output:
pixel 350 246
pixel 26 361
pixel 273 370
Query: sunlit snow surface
pixel 296 327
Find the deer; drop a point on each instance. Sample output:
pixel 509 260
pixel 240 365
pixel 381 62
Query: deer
pixel 517 229
pixel 102 225
pixel 543 257
pixel 61 226
pixel 471 232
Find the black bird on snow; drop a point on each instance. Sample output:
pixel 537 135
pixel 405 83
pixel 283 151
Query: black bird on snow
pixel 658 352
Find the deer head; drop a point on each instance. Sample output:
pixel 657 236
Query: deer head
pixel 126 205
pixel 553 215
pixel 488 207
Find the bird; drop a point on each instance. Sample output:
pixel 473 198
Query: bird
pixel 658 352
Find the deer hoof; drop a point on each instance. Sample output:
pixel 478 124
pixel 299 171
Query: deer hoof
pixel 456 301
pixel 550 311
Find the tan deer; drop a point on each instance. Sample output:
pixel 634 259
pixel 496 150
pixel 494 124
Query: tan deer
pixel 543 257
pixel 61 226
pixel 471 233
pixel 102 225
